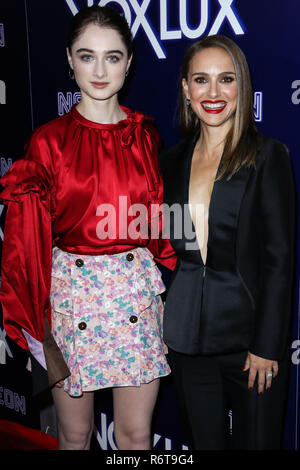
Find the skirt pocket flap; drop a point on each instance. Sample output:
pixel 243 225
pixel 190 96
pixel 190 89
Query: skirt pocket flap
pixel 62 305
pixel 148 285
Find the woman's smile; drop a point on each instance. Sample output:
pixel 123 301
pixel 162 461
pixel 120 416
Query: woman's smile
pixel 211 87
pixel 213 107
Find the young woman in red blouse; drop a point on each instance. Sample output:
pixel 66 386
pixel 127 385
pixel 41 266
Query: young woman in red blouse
pixel 78 271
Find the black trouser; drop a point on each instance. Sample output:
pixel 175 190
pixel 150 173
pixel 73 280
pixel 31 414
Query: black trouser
pixel 207 387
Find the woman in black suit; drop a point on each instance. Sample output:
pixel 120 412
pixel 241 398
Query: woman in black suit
pixel 228 309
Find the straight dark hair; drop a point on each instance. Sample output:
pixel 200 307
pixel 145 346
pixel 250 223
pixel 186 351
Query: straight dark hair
pixel 104 17
pixel 240 145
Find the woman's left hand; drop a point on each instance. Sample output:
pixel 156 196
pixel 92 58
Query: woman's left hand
pixel 263 368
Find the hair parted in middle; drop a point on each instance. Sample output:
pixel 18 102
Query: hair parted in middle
pixel 104 17
pixel 241 143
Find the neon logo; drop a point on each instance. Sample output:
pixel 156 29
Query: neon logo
pixel 296 94
pixel 3 343
pixel 258 106
pixel 2 92
pixel 2 38
pixel 141 21
pixel 5 165
pixel 12 400
pixel 105 436
pixel 65 102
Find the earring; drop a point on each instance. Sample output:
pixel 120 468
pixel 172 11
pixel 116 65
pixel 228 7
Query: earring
pixel 71 74
pixel 188 101
pixel 127 72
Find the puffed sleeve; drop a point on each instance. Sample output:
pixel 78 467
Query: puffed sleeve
pixel 27 245
pixel 277 226
pixel 27 261
pixel 158 244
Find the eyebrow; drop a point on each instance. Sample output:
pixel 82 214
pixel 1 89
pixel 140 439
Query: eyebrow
pixel 222 73
pixel 117 51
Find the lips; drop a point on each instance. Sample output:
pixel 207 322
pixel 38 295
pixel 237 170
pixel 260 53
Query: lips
pixel 99 85
pixel 213 107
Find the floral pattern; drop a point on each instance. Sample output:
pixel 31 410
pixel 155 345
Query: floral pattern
pixel 107 319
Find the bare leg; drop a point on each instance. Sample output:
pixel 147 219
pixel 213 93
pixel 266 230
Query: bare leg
pixel 133 409
pixel 75 419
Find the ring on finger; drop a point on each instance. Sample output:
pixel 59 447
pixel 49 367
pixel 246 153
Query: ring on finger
pixel 269 375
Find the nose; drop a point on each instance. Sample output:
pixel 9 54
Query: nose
pixel 99 68
pixel 213 88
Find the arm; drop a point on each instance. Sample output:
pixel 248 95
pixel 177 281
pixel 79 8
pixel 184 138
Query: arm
pixel 27 249
pixel 158 244
pixel 273 313
pixel 27 259
pixel 277 227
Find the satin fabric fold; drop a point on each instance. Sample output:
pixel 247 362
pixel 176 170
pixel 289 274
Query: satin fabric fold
pixel 72 166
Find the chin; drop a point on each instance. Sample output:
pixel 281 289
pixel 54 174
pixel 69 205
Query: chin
pixel 215 121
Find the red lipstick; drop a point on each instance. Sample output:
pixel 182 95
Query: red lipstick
pixel 213 107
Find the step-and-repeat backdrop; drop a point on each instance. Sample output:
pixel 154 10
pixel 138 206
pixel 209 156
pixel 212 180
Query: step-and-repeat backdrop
pixel 35 87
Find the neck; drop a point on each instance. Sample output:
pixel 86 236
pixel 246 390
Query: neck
pixel 212 140
pixel 101 111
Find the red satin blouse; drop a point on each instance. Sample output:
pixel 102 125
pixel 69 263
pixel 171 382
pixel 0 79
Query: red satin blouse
pixel 71 167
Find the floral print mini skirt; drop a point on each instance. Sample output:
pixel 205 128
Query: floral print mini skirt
pixel 107 319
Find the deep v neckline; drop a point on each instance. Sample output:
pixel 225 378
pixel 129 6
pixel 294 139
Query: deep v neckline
pixel 211 201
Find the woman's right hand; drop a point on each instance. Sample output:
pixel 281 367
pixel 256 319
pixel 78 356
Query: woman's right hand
pixel 29 365
pixel 59 384
pixel 263 369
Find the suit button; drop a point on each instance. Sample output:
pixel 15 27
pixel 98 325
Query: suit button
pixel 133 319
pixel 79 262
pixel 129 257
pixel 82 325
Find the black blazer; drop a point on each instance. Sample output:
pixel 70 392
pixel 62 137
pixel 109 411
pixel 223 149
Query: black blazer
pixel 241 299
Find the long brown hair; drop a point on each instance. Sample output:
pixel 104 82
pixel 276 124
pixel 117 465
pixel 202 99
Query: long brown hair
pixel 240 145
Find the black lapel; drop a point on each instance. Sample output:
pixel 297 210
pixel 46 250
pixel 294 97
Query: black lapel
pixel 224 206
pixel 224 212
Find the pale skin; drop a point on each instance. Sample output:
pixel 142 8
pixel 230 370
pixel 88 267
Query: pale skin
pixel 98 57
pixel 133 409
pixel 212 82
